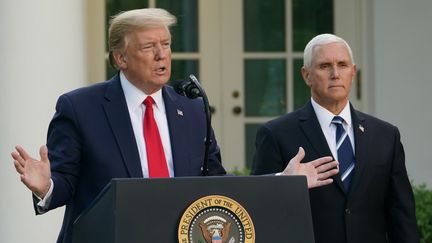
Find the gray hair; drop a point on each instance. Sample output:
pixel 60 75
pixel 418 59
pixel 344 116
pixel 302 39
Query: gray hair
pixel 320 40
pixel 126 22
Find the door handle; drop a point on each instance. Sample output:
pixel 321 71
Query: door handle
pixel 237 110
pixel 212 110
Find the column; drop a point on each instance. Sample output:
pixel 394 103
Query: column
pixel 42 48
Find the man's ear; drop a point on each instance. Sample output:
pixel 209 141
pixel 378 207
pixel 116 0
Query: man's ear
pixel 354 70
pixel 120 59
pixel 305 75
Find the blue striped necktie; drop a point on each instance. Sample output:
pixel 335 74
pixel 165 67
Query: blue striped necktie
pixel 345 152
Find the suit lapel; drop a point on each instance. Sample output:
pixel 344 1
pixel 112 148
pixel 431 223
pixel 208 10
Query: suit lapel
pixel 177 119
pixel 118 116
pixel 361 142
pixel 311 128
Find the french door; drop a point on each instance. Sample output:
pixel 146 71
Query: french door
pixel 247 54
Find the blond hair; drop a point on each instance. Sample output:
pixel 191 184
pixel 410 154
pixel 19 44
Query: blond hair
pixel 126 22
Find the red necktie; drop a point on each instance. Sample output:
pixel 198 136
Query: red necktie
pixel 156 161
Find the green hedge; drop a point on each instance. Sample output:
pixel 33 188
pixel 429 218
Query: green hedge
pixel 423 201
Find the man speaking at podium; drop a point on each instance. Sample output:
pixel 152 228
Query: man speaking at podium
pixel 131 126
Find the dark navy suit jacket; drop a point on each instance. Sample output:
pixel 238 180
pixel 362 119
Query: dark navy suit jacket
pixel 379 206
pixel 90 141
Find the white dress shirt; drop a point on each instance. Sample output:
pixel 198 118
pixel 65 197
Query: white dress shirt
pixel 134 100
pixel 325 118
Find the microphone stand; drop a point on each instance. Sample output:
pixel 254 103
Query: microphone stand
pixel 207 142
pixel 192 89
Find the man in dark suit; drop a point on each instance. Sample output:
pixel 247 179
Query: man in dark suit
pixel 97 132
pixel 371 200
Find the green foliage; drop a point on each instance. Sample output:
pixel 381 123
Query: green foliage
pixel 423 201
pixel 243 172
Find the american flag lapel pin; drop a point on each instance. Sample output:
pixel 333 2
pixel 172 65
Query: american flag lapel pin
pixel 179 112
pixel 361 128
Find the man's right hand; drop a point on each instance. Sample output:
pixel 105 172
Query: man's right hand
pixel 318 172
pixel 35 174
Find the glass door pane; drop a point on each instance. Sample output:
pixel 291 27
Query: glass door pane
pixel 301 90
pixel 265 86
pixel 185 32
pixel 264 25
pixel 310 18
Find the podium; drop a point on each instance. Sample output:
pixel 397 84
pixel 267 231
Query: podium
pixel 153 210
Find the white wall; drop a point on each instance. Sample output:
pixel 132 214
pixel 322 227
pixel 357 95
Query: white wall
pixel 42 56
pixel 402 53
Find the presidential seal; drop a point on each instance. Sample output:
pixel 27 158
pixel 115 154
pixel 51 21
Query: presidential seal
pixel 216 219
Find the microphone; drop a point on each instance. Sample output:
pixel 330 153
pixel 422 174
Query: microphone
pixel 189 88
pixel 192 89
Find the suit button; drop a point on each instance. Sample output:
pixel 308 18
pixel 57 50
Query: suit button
pixel 347 211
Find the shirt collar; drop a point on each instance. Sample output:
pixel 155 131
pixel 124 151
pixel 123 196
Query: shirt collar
pixel 135 97
pixel 325 117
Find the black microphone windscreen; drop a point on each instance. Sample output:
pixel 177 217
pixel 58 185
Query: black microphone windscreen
pixel 187 88
pixel 179 87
